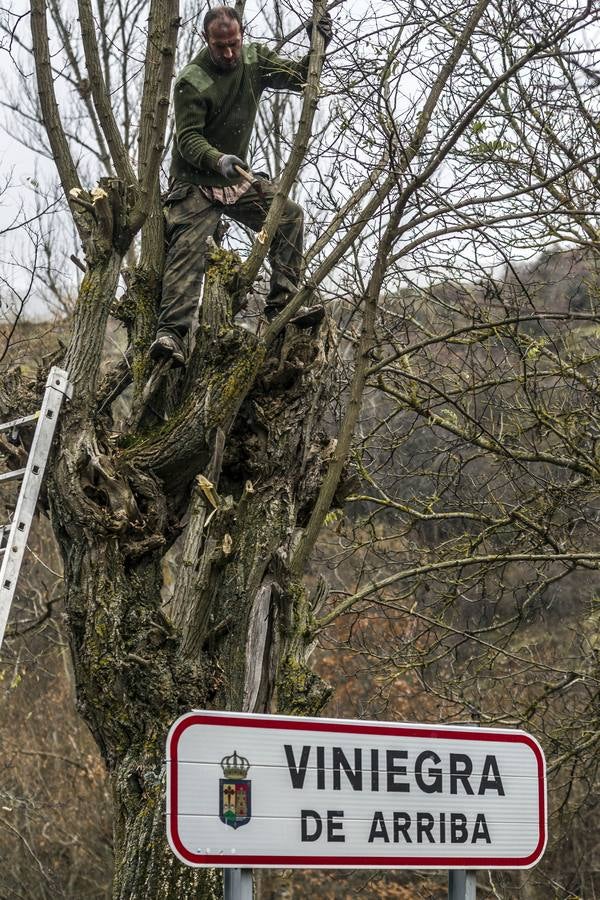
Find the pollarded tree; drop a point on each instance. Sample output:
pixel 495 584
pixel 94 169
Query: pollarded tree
pixel 234 453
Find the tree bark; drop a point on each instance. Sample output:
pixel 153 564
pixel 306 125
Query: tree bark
pixel 238 631
pixel 243 425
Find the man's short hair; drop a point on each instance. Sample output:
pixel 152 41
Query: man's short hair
pixel 222 12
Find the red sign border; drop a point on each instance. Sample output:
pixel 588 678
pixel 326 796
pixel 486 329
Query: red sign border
pixel 295 723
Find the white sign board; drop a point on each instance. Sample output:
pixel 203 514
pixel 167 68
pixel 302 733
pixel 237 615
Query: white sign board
pixel 247 790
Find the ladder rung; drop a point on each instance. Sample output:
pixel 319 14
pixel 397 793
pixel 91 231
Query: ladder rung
pixel 12 476
pixel 57 388
pixel 15 423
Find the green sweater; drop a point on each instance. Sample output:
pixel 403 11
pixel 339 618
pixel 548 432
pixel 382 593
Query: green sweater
pixel 215 110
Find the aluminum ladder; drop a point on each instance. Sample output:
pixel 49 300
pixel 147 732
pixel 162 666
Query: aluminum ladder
pixel 14 534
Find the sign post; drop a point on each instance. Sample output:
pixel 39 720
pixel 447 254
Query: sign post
pixel 256 791
pixel 462 885
pixel 237 884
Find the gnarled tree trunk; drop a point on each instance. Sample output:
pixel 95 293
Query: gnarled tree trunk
pixel 246 443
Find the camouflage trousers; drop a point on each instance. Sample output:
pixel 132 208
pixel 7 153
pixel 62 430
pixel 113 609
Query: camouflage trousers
pixel 191 218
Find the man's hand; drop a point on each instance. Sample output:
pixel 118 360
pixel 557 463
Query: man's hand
pixel 324 26
pixel 227 164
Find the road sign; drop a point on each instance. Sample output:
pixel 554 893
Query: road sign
pixel 246 790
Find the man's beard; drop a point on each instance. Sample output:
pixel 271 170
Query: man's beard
pixel 224 65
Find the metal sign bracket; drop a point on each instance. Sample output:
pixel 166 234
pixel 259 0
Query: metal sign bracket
pixel 237 884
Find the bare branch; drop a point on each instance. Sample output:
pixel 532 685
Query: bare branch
pixel 58 142
pixel 100 95
pixel 160 57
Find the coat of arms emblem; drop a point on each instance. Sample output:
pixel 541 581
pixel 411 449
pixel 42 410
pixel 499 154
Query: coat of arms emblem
pixel 234 791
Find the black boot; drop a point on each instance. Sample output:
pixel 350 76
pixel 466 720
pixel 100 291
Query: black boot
pixel 167 347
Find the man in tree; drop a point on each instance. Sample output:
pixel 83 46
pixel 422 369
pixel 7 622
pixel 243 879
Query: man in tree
pixel 216 101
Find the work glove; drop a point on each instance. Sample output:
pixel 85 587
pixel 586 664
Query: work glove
pixel 324 26
pixel 227 164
